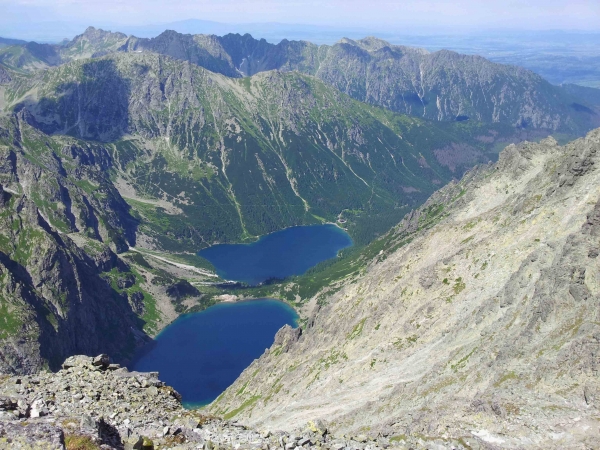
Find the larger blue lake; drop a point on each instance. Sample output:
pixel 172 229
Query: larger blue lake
pixel 202 354
pixel 277 255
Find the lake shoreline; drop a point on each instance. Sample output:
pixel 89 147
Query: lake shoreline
pixel 273 232
pixel 288 252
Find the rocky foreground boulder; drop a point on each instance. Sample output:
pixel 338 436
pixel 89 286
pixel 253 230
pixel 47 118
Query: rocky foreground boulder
pixel 93 404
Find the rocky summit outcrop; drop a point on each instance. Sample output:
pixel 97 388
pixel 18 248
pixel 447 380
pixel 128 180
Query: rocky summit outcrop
pixel 477 320
pixel 93 404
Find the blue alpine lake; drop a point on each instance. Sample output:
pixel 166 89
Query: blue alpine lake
pixel 277 255
pixel 201 354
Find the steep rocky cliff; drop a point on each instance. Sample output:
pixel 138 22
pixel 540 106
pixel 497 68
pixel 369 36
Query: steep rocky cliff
pixel 478 318
pixel 63 288
pixel 53 297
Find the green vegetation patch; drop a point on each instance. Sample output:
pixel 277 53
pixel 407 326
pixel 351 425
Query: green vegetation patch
pixel 506 377
pixel 357 330
pixel 461 363
pixel 334 357
pixel 459 285
pixel 251 401
pixel 10 323
pixel 79 442
pixel 241 390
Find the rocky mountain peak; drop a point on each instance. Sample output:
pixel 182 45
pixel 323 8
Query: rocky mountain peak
pixel 372 43
pixel 97 34
pixel 171 35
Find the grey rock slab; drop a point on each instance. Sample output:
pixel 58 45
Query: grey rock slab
pixel 31 435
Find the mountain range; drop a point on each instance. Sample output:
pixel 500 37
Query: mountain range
pixel 257 154
pixel 443 85
pixel 165 145
pixel 469 304
pixel 559 56
pixel 143 151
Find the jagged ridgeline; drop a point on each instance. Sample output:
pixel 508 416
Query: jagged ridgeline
pixel 202 158
pixel 442 85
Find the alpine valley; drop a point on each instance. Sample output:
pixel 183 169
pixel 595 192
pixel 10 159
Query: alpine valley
pixel 465 316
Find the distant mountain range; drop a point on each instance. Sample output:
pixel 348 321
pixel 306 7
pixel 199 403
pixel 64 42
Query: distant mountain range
pixel 440 86
pixel 559 56
pixel 58 31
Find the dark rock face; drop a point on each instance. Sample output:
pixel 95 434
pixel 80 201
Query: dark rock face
pixel 104 91
pixel 54 298
pixel 125 281
pixel 4 76
pixel 182 289
pixel 136 300
pixel 286 337
pixel 3 196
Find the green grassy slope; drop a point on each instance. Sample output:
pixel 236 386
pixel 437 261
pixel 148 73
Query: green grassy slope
pixel 238 158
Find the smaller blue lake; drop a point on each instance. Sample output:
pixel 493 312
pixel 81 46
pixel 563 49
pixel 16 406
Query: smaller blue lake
pixel 202 354
pixel 277 255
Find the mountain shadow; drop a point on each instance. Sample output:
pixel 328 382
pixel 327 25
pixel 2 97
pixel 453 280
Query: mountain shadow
pixel 96 106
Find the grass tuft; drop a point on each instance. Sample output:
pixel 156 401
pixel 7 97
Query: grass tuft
pixel 79 442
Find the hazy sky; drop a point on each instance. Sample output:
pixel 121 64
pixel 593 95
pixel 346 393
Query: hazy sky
pixel 447 14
